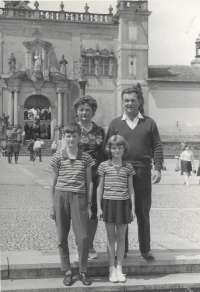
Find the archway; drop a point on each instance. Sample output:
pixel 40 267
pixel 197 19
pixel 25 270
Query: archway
pixel 37 117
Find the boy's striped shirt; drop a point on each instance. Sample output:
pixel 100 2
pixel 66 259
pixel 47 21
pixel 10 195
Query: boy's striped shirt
pixel 115 181
pixel 71 173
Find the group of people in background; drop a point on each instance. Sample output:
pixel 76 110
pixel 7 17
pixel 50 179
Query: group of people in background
pixel 12 148
pixel 42 113
pixel 37 131
pixel 88 185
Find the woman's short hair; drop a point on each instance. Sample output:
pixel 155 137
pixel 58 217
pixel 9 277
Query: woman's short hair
pixel 138 90
pixel 72 128
pixel 85 99
pixel 116 140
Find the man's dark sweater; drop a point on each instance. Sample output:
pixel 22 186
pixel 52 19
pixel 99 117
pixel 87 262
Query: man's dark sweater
pixel 143 141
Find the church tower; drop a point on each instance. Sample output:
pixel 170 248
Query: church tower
pixel 132 48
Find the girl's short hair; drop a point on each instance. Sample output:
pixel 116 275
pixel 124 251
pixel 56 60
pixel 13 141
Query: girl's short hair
pixel 72 128
pixel 85 99
pixel 116 140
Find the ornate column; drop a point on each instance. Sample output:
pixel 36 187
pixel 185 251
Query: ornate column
pixel 16 112
pixel 82 85
pixel 65 108
pixel 10 106
pixel 59 122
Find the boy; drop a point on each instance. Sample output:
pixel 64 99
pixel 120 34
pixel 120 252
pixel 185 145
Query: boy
pixel 71 196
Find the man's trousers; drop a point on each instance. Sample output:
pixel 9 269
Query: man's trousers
pixel 142 188
pixel 71 206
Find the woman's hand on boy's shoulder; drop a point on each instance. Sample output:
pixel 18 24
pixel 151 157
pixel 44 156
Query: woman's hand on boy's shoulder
pixel 52 213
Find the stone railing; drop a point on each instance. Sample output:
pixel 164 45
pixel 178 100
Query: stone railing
pixel 57 15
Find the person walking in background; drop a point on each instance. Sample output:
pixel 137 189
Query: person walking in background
pixel 31 149
pixel 183 143
pixel 71 197
pixel 23 137
pixel 92 138
pixel 187 158
pixel 142 136
pixel 16 147
pixel 9 148
pixel 116 189
pixel 38 149
pixel 26 129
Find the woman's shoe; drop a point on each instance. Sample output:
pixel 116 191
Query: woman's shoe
pixel 121 277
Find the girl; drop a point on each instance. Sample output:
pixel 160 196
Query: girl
pixel 187 158
pixel 116 188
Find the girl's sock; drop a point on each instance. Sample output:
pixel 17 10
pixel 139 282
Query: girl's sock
pixel 111 270
pixel 69 272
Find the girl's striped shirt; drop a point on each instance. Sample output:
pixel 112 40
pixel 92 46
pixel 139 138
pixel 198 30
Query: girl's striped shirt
pixel 115 180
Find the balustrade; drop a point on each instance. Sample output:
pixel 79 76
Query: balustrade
pixel 58 15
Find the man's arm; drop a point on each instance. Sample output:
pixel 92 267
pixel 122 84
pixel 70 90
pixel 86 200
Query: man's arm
pixel 156 146
pixel 89 187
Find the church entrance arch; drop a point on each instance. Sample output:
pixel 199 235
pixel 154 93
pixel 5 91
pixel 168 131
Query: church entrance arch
pixel 37 117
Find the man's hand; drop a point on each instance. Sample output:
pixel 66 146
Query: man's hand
pixel 156 177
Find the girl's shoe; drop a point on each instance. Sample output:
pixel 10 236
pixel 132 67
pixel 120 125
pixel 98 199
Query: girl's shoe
pixel 113 276
pixel 121 277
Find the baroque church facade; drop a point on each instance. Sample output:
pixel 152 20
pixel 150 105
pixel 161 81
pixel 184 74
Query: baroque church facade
pixel 50 58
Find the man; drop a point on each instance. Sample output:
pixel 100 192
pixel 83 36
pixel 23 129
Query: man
pixel 26 129
pixel 30 149
pixel 38 149
pixel 9 148
pixel 143 139
pixel 16 147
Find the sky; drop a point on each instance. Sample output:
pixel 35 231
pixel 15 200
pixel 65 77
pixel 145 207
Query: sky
pixel 174 26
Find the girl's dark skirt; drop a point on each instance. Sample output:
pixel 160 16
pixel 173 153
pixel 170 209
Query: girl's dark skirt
pixel 186 166
pixel 117 211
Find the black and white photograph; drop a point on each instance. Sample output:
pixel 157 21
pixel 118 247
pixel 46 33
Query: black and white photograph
pixel 100 146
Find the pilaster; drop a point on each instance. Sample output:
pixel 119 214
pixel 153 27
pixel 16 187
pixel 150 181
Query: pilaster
pixel 16 108
pixel 10 106
pixel 59 92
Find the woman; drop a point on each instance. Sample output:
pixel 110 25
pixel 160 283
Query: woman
pixel 92 137
pixel 187 158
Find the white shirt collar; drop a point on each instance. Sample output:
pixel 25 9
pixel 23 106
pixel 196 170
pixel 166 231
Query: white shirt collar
pixel 139 116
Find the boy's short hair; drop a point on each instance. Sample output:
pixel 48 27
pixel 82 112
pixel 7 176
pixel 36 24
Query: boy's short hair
pixel 116 140
pixel 72 128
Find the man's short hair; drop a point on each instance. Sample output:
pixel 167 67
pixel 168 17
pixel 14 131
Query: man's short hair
pixel 138 90
pixel 72 128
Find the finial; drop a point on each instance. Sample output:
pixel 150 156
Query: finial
pixel 36 4
pixel 110 9
pixel 86 8
pixel 62 6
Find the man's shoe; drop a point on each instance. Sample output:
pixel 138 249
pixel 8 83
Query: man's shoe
pixel 92 254
pixel 85 279
pixel 148 256
pixel 68 281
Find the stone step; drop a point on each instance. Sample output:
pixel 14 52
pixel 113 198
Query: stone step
pixel 147 283
pixel 40 265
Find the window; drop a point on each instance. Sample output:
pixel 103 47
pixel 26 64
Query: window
pixel 89 66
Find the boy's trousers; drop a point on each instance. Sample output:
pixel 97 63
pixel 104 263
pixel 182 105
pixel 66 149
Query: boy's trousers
pixel 71 206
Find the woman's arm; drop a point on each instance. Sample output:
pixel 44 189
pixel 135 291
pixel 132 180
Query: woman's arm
pixel 99 196
pixel 89 187
pixel 52 190
pixel 131 193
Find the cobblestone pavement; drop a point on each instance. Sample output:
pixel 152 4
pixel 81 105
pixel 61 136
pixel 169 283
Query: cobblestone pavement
pixel 24 204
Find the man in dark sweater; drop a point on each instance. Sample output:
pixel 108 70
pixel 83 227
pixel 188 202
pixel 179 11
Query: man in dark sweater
pixel 144 142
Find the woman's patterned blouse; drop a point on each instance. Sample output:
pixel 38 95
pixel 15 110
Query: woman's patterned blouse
pixel 92 143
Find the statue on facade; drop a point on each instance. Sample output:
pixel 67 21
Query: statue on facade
pixel 111 68
pixel 96 67
pixel 63 64
pixel 38 61
pixel 12 63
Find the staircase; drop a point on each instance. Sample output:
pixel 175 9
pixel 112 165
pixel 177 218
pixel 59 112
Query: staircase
pixel 39 271
pixel 46 148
